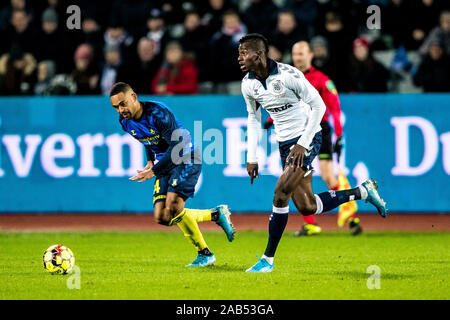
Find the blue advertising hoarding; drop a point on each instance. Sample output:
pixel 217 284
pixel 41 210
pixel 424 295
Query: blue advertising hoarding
pixel 69 154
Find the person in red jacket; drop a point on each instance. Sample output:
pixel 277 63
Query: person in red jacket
pixel 302 56
pixel 177 75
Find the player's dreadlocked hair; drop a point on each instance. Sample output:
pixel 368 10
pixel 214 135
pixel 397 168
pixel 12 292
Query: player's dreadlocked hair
pixel 256 41
pixel 118 88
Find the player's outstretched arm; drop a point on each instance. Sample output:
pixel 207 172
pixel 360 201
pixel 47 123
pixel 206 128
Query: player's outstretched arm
pixel 253 130
pixel 147 172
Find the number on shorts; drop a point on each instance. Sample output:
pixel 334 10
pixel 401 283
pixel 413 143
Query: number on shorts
pixel 156 187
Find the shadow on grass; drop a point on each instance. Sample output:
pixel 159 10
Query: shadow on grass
pixel 219 268
pixel 364 276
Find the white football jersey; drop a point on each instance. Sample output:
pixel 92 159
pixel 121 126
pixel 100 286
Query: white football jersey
pixel 291 101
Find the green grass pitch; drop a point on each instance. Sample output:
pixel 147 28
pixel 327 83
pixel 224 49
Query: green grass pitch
pixel 150 265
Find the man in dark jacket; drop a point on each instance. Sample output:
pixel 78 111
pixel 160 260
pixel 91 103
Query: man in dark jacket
pixel 434 71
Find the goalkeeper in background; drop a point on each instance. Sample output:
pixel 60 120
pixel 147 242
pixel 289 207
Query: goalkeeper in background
pixel 302 56
pixel 177 169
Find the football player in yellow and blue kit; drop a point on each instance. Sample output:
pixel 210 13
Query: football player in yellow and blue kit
pixel 177 168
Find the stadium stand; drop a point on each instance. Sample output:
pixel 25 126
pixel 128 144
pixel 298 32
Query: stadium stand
pixel 413 40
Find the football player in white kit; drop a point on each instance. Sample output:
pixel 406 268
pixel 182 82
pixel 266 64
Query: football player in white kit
pixel 296 109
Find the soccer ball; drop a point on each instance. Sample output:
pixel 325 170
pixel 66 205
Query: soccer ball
pixel 58 259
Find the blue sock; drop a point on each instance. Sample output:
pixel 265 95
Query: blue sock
pixel 277 223
pixel 332 199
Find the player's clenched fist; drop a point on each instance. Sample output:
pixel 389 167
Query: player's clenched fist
pixel 252 170
pixel 143 175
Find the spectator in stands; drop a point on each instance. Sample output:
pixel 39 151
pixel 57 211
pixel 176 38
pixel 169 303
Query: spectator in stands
pixel 174 11
pixel 434 71
pixel 213 14
pixel 45 72
pixel 195 43
pixel 352 12
pixel 287 34
pixel 17 72
pixel 116 34
pixel 275 54
pixel 85 73
pixel 21 32
pixel 339 46
pixel 305 12
pixel 177 74
pixel 132 14
pixel 140 73
pixel 157 32
pixel 57 5
pixel 91 34
pixel 423 17
pixel 6 12
pixel 439 34
pixel 223 48
pixel 261 10
pixel 110 68
pixel 367 75
pixel 395 22
pixel 321 60
pixel 49 38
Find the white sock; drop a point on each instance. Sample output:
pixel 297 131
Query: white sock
pixel 363 192
pixel 268 259
pixel 319 204
pixel 280 210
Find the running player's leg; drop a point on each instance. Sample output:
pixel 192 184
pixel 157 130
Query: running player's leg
pixel 310 227
pixel 326 157
pixel 327 174
pixel 172 212
pixel 331 199
pixel 286 184
pixel 183 181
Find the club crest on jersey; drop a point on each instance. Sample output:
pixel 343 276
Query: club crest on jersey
pixel 277 87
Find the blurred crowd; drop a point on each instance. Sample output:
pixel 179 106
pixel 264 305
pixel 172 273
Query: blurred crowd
pixel 188 47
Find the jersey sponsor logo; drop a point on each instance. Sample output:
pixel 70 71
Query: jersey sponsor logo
pixel 286 106
pixel 150 140
pixel 174 182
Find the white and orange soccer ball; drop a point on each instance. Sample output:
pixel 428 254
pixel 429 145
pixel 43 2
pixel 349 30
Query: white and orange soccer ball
pixel 58 259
